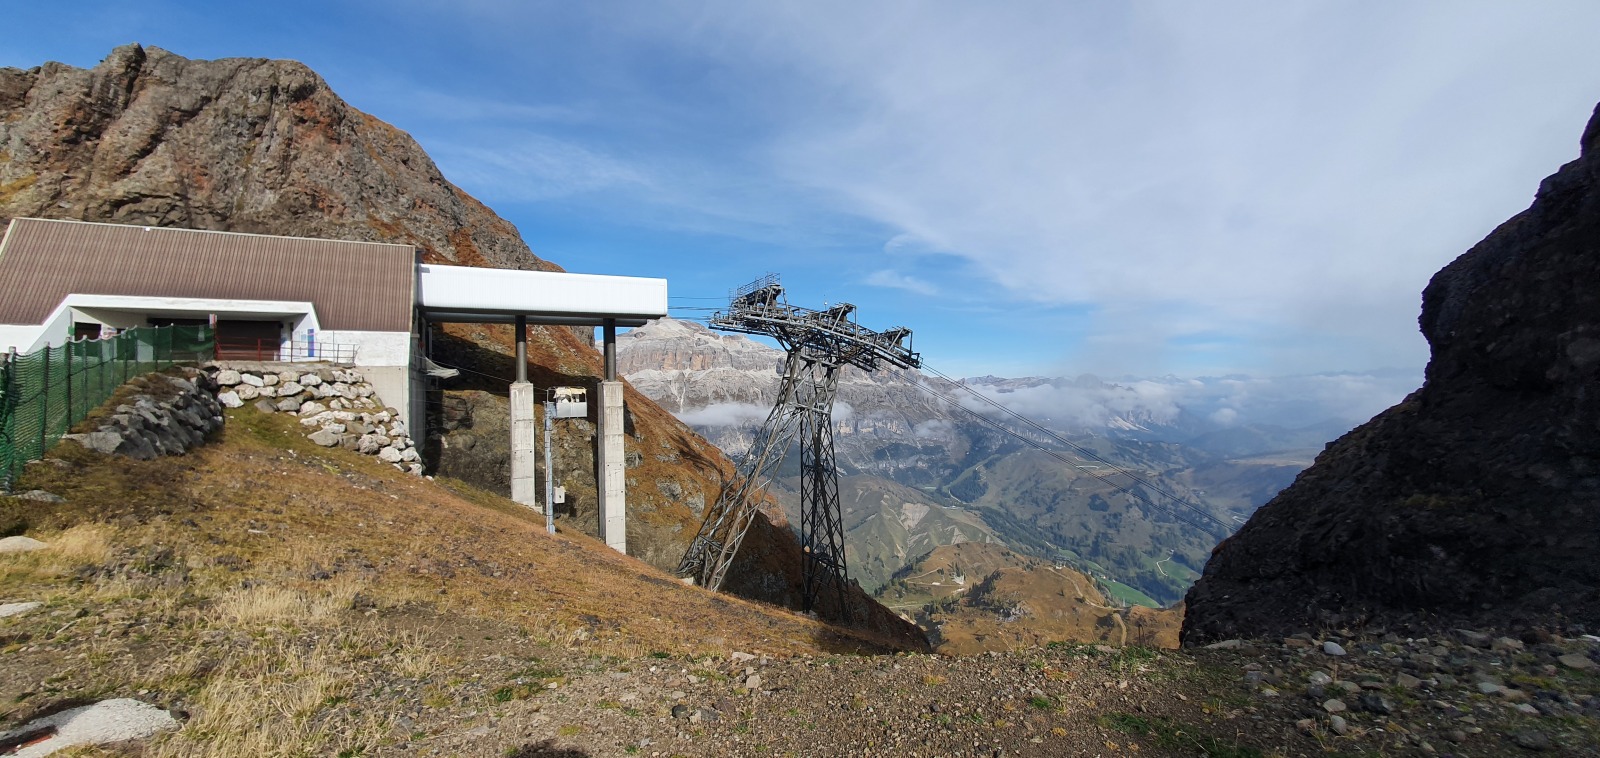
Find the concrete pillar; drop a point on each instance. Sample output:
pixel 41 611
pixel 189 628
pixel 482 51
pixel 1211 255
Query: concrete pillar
pixel 613 469
pixel 524 453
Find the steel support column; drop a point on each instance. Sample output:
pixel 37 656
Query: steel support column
pixel 608 341
pixel 819 345
pixel 522 348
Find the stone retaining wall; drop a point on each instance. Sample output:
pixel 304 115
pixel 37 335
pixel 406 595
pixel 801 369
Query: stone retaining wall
pixel 338 405
pixel 173 416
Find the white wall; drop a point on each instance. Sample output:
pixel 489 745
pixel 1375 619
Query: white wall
pixel 22 338
pixel 124 311
pixel 372 348
pixel 393 384
pixel 385 360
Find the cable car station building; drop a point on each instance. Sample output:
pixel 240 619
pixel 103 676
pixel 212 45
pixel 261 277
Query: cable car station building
pixel 297 299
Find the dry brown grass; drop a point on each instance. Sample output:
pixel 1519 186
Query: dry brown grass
pixel 267 586
pixel 266 703
pixel 66 552
pixel 277 604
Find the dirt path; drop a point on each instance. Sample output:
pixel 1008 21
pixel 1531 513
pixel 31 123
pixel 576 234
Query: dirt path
pixel 1122 628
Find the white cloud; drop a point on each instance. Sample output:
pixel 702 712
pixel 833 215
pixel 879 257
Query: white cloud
pixel 896 280
pixel 1260 187
pixel 1292 173
pixel 933 429
pixel 1290 401
pixel 725 414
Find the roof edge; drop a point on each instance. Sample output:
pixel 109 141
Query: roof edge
pixel 194 231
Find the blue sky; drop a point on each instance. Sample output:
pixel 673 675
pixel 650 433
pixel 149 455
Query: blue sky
pixel 1035 188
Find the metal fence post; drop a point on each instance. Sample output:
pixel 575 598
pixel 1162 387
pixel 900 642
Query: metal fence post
pixel 71 411
pixel 8 425
pixel 44 397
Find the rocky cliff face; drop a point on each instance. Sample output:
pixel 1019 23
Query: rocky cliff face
pixel 248 145
pixel 1477 499
pixel 242 144
pixel 725 385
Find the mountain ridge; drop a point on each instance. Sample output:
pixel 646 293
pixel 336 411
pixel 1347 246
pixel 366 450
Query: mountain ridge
pixel 902 428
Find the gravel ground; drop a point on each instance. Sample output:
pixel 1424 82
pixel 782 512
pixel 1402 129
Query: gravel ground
pixel 1382 696
pixel 493 692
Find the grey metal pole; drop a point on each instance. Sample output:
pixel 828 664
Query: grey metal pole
pixel 549 481
pixel 522 348
pixel 611 349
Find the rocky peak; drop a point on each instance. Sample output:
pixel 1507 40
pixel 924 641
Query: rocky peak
pixel 240 144
pixel 671 344
pixel 1476 501
pixel 725 384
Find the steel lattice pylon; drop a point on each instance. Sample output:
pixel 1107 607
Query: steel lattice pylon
pixel 819 344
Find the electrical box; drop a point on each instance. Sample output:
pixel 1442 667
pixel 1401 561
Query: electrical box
pixel 560 496
pixel 571 402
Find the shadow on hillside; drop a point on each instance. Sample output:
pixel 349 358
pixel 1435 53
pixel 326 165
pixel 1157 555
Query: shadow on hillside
pixel 545 749
pixel 491 370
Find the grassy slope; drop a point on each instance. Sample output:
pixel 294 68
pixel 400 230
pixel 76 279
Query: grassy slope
pixel 263 574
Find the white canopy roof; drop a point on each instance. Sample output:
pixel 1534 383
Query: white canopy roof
pixel 469 294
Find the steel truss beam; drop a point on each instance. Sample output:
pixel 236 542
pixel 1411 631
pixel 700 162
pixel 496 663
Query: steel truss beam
pixel 819 345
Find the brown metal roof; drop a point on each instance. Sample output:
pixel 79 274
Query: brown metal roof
pixel 360 286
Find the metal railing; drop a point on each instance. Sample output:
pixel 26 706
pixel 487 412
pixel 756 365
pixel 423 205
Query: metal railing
pixel 45 392
pixel 283 352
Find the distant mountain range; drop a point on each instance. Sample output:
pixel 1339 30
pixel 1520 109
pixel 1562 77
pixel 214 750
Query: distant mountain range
pixel 926 463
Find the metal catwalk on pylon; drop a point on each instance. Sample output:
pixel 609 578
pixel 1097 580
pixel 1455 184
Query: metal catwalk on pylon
pixel 819 344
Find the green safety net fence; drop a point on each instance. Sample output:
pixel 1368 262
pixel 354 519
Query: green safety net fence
pixel 45 392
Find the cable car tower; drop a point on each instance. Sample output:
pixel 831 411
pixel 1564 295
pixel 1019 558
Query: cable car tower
pixel 819 344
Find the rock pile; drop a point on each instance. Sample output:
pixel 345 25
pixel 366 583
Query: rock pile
pixel 340 407
pixel 1464 692
pixel 172 416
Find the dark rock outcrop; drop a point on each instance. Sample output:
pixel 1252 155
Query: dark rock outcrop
pixel 170 416
pixel 1477 499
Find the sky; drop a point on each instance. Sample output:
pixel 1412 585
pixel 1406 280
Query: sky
pixel 1035 188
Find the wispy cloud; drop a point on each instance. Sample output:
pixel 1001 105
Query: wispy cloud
pixel 1295 171
pixel 1230 185
pixel 897 280
pixel 725 414
pixel 1287 401
pixel 451 107
pixel 534 167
